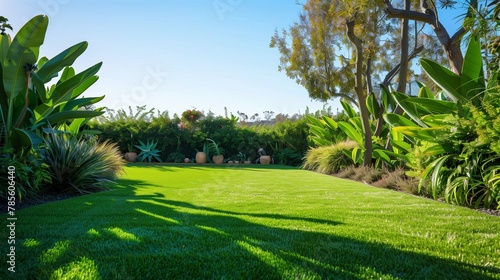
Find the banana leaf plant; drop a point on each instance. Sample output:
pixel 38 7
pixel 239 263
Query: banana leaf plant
pixel 460 168
pixel 353 129
pixel 324 131
pixel 26 104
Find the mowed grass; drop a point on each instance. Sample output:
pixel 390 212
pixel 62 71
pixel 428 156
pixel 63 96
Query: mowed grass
pixel 216 222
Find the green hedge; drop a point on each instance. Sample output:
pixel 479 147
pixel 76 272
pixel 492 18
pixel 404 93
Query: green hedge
pixel 286 141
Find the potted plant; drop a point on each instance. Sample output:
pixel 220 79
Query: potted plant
pixel 215 151
pixel 240 157
pixel 130 156
pixel 201 156
pixel 264 158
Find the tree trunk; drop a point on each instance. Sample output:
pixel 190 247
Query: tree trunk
pixel 363 110
pixel 405 41
pixel 450 44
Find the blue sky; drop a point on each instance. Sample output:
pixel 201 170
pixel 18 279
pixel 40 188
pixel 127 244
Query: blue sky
pixel 176 54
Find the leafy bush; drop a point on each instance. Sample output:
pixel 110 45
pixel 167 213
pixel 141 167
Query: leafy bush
pixel 176 157
pixel 486 119
pixel 30 175
pixel 79 165
pixel 289 156
pixel 468 178
pixel 458 132
pixel 329 159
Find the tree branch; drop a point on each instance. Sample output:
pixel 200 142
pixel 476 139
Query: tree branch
pixel 394 71
pixel 413 15
pixel 429 16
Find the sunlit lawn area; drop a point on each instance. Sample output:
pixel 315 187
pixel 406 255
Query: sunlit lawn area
pixel 242 222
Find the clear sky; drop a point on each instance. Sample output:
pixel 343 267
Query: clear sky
pixel 176 54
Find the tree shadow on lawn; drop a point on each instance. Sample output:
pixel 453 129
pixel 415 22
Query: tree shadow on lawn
pixel 160 239
pixel 281 251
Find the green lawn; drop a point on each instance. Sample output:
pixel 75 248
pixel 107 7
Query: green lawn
pixel 205 222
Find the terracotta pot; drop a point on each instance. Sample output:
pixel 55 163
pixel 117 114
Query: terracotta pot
pixel 265 159
pixel 230 162
pixel 130 156
pixel 247 162
pixel 218 159
pixel 236 161
pixel 186 160
pixel 201 157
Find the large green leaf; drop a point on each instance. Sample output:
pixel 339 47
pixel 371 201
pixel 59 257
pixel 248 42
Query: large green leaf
pixel 372 105
pixel 357 123
pixel 84 86
pixel 357 155
pixel 393 154
pixel 4 46
pixel 321 142
pixel 321 133
pixel 76 124
pixel 42 111
pixel 23 50
pixel 472 65
pixel 472 83
pixel 426 134
pixel 402 145
pixel 409 108
pixel 332 124
pixel 64 91
pixel 24 139
pixel 313 120
pixel 4 106
pixel 351 132
pixel 386 97
pixel 57 63
pixel 380 154
pixel 397 136
pixel 80 102
pixel 436 167
pixel 69 115
pixel 41 62
pixel 437 149
pixel 397 120
pixel 437 120
pixel 425 92
pixel 444 78
pixel 348 109
pixel 39 86
pixel 434 105
pixel 67 73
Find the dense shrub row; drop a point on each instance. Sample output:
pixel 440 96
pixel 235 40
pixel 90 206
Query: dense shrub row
pixel 176 138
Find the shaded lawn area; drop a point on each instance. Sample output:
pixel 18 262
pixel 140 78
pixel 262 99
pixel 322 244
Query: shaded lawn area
pixel 242 222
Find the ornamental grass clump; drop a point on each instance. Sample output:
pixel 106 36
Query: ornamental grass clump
pixel 78 165
pixel 329 159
